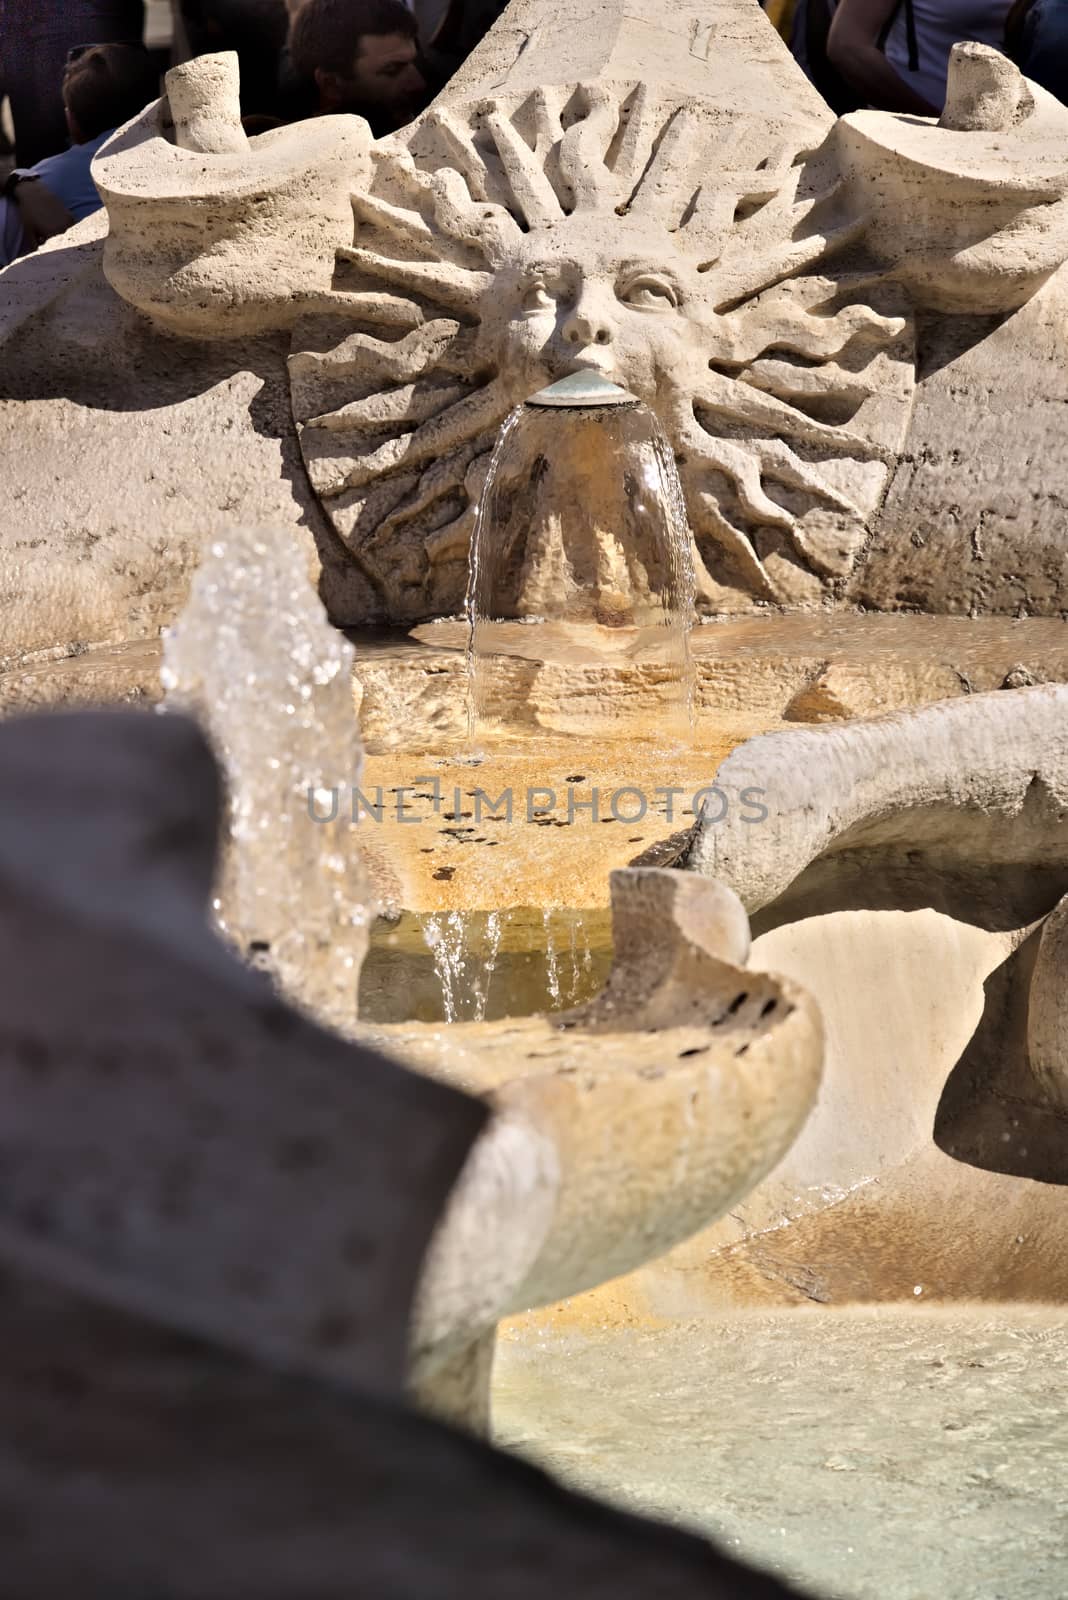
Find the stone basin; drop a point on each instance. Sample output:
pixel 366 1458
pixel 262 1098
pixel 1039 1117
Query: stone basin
pixel 907 454
pixel 752 674
pixel 858 1451
pixel 875 1454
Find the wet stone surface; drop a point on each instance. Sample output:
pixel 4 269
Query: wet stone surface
pixel 878 1454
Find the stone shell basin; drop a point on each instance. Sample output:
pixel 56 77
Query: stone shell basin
pixel 620 1127
pixel 900 992
pixel 860 1209
pixel 933 1167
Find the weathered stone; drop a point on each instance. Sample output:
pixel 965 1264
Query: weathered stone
pixel 526 227
pixel 961 806
pixel 973 521
pixel 161 1081
pixel 262 250
pixel 124 450
pixel 172 1467
pixel 591 1166
pixel 906 874
pixel 174 1139
pixel 843 690
pixel 772 326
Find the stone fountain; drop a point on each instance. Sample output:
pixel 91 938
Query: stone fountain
pixel 324 338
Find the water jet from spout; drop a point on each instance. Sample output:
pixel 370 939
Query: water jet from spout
pixel 581 573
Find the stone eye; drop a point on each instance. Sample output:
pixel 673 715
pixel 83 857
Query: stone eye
pixel 650 293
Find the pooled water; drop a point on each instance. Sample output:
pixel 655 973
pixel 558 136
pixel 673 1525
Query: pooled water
pixel 878 1453
pixel 480 966
pixel 464 960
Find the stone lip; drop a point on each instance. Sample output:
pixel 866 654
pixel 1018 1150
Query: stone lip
pixel 911 876
pixel 962 805
pixel 621 1128
pixel 583 388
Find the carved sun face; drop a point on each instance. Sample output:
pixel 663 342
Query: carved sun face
pixel 503 248
pixel 619 310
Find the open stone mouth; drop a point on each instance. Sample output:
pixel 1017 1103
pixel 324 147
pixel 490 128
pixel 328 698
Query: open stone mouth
pixel 484 956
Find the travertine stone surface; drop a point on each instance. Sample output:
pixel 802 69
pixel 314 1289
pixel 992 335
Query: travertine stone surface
pixel 621 1127
pixel 753 275
pixel 175 1141
pixel 123 450
pixel 212 1215
pixel 962 806
pixel 221 236
pixel 172 1095
pixel 973 520
pixel 906 874
pixel 970 212
pixel 174 1468
pixel 822 315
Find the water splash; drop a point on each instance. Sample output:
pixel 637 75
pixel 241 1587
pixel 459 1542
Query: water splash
pixel 446 935
pixel 670 486
pixel 581 956
pixel 491 949
pixel 465 947
pixel 255 658
pixel 552 962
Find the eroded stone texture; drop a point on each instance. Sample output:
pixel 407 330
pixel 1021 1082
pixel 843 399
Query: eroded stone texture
pixel 974 516
pixel 752 274
pixel 667 200
pixel 174 1139
pixel 269 213
pixel 173 1467
pixel 621 1127
pixel 178 1142
pixel 123 451
pixel 906 873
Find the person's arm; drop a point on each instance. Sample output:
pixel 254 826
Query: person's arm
pixel 853 48
pixel 43 215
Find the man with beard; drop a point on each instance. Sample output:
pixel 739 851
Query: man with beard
pixel 359 56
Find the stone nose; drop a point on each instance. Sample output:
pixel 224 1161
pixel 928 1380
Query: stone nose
pixel 586 324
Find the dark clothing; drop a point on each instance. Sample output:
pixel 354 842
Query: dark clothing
pixel 465 25
pixel 256 30
pixel 1042 50
pixel 35 36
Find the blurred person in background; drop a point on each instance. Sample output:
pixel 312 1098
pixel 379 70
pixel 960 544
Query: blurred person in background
pixel 895 53
pixel 102 87
pixel 35 38
pixel 463 25
pixel 1036 37
pixel 358 56
pixel 808 27
pixel 255 29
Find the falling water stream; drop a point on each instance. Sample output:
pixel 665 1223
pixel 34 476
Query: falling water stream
pixel 581 586
pixel 479 966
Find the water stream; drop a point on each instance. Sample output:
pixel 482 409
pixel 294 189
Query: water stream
pixel 581 586
pixel 480 966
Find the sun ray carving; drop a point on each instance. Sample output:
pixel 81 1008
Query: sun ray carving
pixel 503 244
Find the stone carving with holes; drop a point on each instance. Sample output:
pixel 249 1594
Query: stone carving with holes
pixel 758 282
